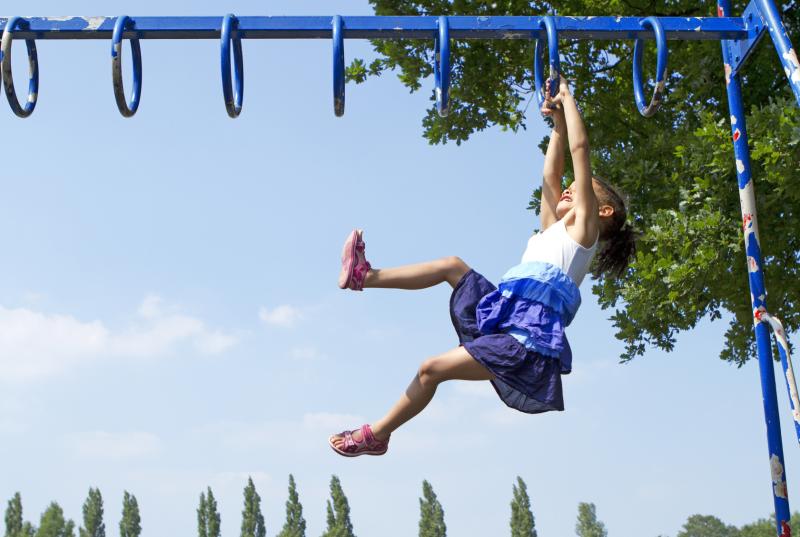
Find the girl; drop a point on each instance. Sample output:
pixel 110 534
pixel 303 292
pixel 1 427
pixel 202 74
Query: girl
pixel 512 336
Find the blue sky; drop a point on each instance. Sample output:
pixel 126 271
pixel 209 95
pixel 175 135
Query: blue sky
pixel 169 316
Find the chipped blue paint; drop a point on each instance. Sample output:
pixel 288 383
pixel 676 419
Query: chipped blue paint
pixel 646 109
pixel 758 291
pixel 233 99
pixel 783 45
pixel 12 26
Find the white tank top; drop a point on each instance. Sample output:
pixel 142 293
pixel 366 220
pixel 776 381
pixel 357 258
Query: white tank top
pixel 555 246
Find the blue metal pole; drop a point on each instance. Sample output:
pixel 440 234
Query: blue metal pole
pixel 370 27
pixel 771 17
pixel 757 290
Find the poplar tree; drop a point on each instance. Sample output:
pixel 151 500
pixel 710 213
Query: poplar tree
pixel 208 519
pixel 14 516
pixel 522 522
pixel 339 524
pixel 53 523
pixel 93 525
pixel 431 514
pixel 588 525
pixel 295 525
pixel 252 519
pixel 130 525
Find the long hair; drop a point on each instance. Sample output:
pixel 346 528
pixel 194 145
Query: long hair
pixel 617 236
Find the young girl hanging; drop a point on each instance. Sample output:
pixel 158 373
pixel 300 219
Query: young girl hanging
pixel 511 335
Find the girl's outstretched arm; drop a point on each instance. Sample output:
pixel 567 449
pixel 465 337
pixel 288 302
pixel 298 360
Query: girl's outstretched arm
pixel 587 218
pixel 553 171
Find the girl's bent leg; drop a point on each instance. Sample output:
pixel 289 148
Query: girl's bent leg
pixel 419 276
pixel 456 364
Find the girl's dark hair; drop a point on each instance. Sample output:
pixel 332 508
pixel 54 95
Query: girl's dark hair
pixel 617 236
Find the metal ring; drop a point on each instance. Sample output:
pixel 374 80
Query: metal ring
pixel 338 65
pixel 233 101
pixel 441 66
pixel 8 77
pixel 127 109
pixel 648 110
pixel 538 60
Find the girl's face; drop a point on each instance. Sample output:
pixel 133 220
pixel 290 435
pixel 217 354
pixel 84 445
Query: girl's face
pixel 566 202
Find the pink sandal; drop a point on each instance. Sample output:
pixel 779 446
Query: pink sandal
pixel 354 262
pixel 368 445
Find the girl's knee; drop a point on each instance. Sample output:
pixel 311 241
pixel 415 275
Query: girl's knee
pixel 456 268
pixel 455 263
pixel 428 373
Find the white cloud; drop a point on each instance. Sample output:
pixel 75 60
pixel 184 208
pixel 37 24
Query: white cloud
pixel 115 446
pixel 35 344
pixel 284 315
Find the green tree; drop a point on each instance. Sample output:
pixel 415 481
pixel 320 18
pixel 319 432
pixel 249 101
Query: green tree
pixel 295 525
pixel 522 523
pixel 252 519
pixel 14 520
pixel 677 167
pixel 588 525
pixel 707 526
pixel 766 527
pixel 131 523
pixel 208 519
pixel 339 524
pixel 53 523
pixel 93 525
pixel 431 514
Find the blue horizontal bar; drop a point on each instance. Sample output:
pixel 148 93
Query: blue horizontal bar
pixel 677 28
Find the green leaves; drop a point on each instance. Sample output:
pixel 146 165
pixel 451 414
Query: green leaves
pixel 131 523
pixel 208 518
pixel 339 524
pixel 522 522
pixel 431 514
pixel 588 525
pixel 252 518
pixel 93 525
pixel 295 525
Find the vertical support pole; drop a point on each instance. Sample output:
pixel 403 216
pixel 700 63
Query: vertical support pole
pixel 757 290
pixel 787 54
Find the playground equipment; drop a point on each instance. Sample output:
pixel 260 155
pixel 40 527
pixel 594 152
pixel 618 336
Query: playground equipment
pixel 738 36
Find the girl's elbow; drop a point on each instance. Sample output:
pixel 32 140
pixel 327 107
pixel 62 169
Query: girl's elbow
pixel 579 147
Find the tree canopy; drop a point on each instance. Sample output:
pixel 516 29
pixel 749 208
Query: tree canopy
pixel 677 168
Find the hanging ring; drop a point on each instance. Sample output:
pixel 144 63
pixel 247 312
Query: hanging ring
pixel 441 66
pixel 338 65
pixel 538 61
pixel 648 110
pixel 233 101
pixel 13 24
pixel 127 109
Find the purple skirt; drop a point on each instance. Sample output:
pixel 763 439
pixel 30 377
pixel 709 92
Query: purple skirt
pixel 524 379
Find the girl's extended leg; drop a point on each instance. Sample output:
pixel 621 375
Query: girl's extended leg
pixel 452 365
pixel 420 275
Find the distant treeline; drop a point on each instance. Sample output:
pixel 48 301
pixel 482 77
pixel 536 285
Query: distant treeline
pixel 52 522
